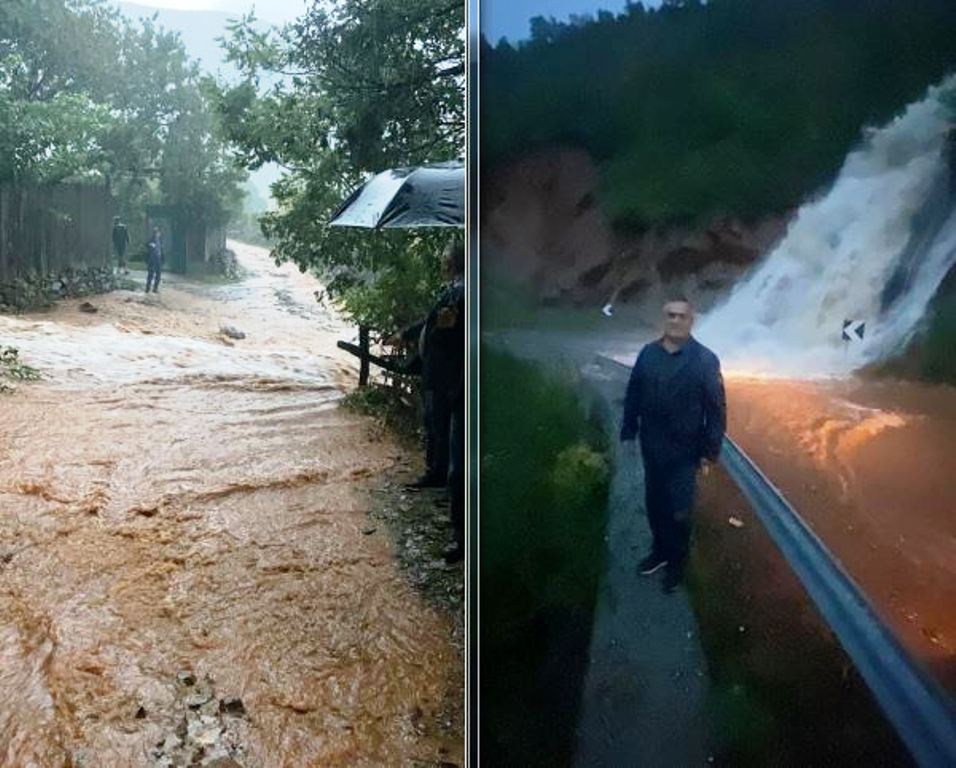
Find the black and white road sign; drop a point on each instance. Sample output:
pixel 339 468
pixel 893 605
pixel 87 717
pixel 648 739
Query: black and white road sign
pixel 853 328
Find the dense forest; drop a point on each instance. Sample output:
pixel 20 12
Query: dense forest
pixel 739 107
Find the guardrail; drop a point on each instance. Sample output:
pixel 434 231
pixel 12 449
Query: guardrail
pixel 919 709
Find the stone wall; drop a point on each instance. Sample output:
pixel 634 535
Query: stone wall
pixel 35 291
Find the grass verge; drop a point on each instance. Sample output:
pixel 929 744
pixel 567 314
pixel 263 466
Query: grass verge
pixel 544 485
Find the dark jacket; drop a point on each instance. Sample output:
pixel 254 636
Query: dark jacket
pixel 676 403
pixel 154 254
pixel 120 237
pixel 443 350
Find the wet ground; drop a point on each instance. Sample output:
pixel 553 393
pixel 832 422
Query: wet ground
pixel 868 464
pixel 188 571
pixel 870 467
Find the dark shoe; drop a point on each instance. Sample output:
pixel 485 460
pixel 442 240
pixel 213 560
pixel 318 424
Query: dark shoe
pixel 428 481
pixel 455 555
pixel 672 580
pixel 651 564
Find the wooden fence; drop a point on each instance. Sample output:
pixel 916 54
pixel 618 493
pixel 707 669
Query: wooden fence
pixel 48 229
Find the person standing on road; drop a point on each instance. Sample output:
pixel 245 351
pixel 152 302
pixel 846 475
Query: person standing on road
pixel 120 243
pixel 154 260
pixel 675 403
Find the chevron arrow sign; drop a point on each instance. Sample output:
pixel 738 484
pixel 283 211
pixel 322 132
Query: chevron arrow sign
pixel 853 328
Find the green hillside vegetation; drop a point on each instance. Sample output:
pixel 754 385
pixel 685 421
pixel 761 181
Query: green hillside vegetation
pixel 545 477
pixel 739 107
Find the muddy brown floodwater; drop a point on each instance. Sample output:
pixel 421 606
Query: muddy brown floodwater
pixel 181 526
pixel 870 466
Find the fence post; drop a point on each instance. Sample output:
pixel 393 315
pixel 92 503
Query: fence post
pixel 363 346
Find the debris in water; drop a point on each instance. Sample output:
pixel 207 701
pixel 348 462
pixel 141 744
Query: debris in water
pixel 233 706
pixel 231 331
pixel 187 678
pixel 608 309
pixel 87 307
pixel 735 521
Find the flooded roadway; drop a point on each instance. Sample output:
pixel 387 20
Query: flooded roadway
pixel 868 464
pixel 181 513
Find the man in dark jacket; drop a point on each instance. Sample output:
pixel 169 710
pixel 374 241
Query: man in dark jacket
pixel 154 260
pixel 675 402
pixel 120 242
pixel 440 339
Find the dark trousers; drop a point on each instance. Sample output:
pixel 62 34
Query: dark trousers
pixel 153 273
pixel 456 470
pixel 120 255
pixel 669 493
pixel 437 426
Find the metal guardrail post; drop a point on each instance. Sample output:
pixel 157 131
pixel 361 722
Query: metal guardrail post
pixel 918 708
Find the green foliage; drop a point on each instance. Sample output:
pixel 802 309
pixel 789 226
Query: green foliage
pixel 544 490
pixel 733 106
pixel 85 94
pixel 12 368
pixel 542 539
pixel 368 86
pixel 391 405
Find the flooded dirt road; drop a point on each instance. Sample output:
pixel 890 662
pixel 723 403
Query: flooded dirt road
pixel 186 567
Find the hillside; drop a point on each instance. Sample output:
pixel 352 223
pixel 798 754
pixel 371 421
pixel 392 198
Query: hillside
pixel 736 107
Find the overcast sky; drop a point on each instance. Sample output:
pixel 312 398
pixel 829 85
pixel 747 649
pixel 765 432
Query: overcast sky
pixel 510 18
pixel 277 11
pixel 499 18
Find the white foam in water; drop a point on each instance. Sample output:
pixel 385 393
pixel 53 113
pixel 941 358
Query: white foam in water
pixel 104 355
pixel 787 317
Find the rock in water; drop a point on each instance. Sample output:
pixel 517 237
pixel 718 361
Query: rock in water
pixel 232 706
pixel 231 332
pixel 87 307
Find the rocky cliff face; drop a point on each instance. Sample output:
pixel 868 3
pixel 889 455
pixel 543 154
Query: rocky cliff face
pixel 542 226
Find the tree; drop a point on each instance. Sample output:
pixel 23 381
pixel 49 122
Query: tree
pixel 333 97
pixel 701 110
pixel 87 95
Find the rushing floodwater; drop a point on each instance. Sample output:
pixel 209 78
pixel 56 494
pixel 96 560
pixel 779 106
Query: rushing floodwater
pixel 182 524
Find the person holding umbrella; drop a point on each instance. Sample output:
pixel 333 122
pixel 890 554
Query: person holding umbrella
pixel 429 196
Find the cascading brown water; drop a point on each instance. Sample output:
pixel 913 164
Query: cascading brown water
pixel 175 506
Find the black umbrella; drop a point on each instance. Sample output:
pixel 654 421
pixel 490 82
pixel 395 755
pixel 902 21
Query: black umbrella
pixel 427 196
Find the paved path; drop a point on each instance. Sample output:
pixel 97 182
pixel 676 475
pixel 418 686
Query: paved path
pixel 645 691
pixel 644 700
